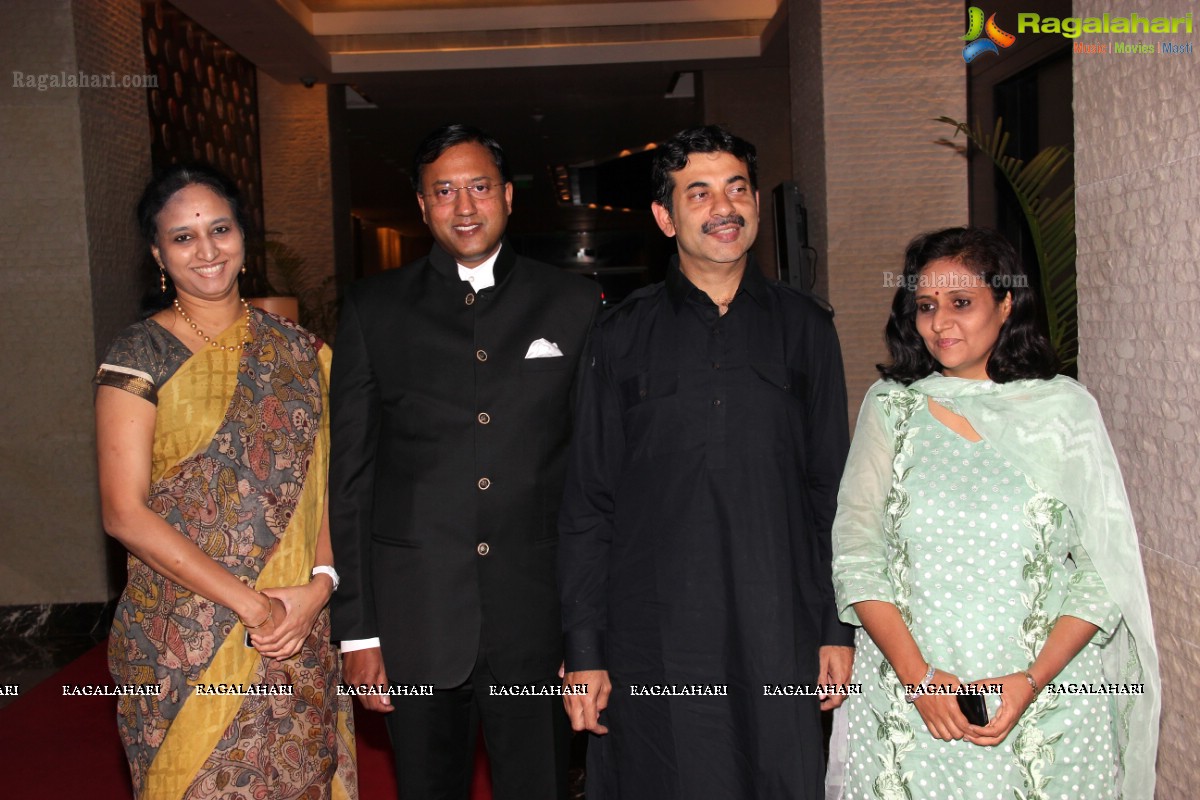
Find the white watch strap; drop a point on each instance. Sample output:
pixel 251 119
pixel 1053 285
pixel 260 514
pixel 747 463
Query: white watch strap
pixel 330 571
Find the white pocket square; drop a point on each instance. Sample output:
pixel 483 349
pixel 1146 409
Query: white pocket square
pixel 543 349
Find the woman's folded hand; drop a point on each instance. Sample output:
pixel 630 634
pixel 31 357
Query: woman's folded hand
pixel 938 707
pixel 298 609
pixel 1016 696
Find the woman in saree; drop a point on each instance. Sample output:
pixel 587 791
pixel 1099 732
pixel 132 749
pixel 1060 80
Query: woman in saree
pixel 212 461
pixel 983 537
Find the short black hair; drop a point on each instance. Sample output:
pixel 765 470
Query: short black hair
pixel 672 156
pixel 166 182
pixel 432 146
pixel 158 192
pixel 1022 349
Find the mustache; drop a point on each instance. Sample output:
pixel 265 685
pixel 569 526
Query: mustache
pixel 720 222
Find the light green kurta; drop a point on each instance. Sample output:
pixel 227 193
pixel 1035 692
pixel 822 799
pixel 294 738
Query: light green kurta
pixel 971 542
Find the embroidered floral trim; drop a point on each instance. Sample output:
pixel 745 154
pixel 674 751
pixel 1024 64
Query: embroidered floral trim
pixel 1131 672
pixel 894 728
pixel 1032 749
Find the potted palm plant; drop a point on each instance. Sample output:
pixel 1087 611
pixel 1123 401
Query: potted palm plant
pixel 301 297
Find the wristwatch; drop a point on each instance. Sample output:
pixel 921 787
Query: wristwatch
pixel 330 571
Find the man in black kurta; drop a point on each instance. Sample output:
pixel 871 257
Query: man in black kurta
pixel 694 561
pixel 451 415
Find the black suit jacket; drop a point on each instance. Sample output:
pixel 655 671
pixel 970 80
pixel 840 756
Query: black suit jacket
pixel 447 465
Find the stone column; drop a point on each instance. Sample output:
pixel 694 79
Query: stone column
pixel 300 205
pixel 74 161
pixel 1137 172
pixel 867 80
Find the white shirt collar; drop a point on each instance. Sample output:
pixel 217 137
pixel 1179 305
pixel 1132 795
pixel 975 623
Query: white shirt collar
pixel 482 276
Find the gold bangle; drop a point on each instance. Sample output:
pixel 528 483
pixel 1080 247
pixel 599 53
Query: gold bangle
pixel 1032 682
pixel 270 611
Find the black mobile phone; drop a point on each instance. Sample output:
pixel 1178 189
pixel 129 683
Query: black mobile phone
pixel 973 708
pixel 248 642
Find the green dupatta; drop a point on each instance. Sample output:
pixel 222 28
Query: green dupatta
pixel 1053 432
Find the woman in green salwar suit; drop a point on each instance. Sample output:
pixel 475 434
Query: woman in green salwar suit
pixel 984 542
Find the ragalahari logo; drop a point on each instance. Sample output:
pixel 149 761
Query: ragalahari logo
pixel 976 27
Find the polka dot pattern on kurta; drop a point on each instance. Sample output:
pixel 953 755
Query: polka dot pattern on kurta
pixel 969 536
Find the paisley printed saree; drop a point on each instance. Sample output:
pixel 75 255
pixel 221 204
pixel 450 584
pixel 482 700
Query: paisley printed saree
pixel 239 467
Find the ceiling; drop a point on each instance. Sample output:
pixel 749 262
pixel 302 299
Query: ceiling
pixel 556 83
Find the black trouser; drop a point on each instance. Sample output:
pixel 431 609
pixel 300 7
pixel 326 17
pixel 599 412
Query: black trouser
pixel 433 739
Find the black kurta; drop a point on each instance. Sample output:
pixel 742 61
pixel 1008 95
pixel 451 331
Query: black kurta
pixel 695 543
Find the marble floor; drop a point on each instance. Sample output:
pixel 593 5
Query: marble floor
pixel 38 640
pixel 27 661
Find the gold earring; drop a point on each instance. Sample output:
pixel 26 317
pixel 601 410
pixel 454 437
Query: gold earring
pixel 243 269
pixel 162 280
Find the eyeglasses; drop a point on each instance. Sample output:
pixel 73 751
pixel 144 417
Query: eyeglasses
pixel 478 190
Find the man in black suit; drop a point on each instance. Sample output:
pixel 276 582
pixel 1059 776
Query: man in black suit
pixel 450 419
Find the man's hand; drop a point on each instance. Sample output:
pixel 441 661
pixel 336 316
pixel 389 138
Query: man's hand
pixel 366 667
pixel 584 709
pixel 836 664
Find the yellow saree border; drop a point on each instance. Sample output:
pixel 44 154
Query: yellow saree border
pixel 201 391
pixel 345 739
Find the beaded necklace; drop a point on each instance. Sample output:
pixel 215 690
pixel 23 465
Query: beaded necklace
pixel 208 339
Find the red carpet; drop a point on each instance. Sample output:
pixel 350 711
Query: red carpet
pixel 64 748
